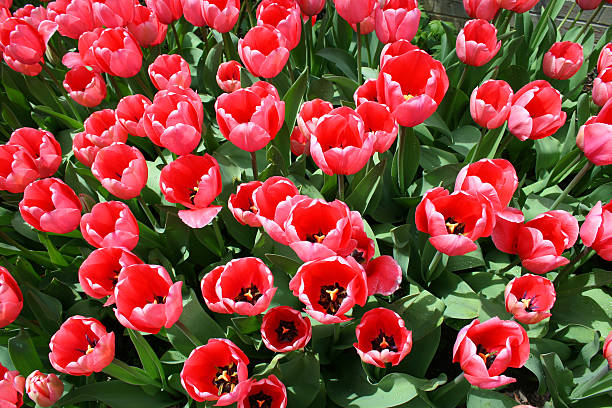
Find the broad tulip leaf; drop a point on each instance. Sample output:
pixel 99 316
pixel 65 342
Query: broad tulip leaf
pixel 360 197
pixel 23 354
pixel 479 398
pixel 148 358
pixel 117 394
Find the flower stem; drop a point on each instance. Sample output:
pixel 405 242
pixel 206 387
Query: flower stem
pixel 160 154
pixel 572 184
pixel 140 78
pixel 567 15
pixel 254 165
pixel 228 44
pixel 188 333
pixel 359 76
pixel 575 19
pixel 176 37
pixel 510 266
pixel 115 86
pixel 463 76
pixel 570 266
pixel 340 187
pixel 590 20
pixel 504 144
pixel 435 261
pixel 219 236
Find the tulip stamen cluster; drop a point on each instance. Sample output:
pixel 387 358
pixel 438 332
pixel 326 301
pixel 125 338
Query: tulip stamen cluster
pixel 318 237
pixel 226 378
pixel 529 302
pixel 454 227
pixel 487 357
pixel 250 294
pixel 331 297
pixel 384 342
pixel 260 400
pixel 286 331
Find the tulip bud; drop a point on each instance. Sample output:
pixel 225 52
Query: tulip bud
pixel 170 70
pixel 563 60
pixel 477 43
pixel 44 389
pixel 602 87
pixel 263 51
pixel 490 103
pixel 607 349
pixel 397 19
pixel 228 76
pixel 85 86
pixel 484 9
pixel 596 231
pixel 121 169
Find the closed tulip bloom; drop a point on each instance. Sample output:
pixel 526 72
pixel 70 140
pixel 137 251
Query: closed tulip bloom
pixel 85 86
pixel 588 4
pixel 44 389
pixel 167 11
pixel 607 349
pixel 228 76
pixel 244 286
pixel 113 13
pixel 602 87
pixel 483 9
pixel 490 103
pixel 366 93
pixel 536 111
pixel 50 205
pixel 250 117
pixel 563 60
pixel 11 388
pixel 130 112
pixel 170 70
pixel 354 11
pixel 17 169
pixel 216 371
pixel 99 273
pixel 382 338
pixel 369 23
pixel 596 231
pixel 220 15
pixel 121 169
pixel 23 45
pixel 101 130
pixel 81 346
pixel 400 47
pixel 146 27
pixel 11 298
pixel 311 7
pixel 285 16
pixel 42 146
pixel 299 142
pixel 263 51
pixel 272 192
pixel 309 115
pixel 283 329
pixel 477 43
pixel 507 224
pixel 117 52
pixel 379 124
pixel 605 57
pixel 595 137
pixel 75 19
pixel 529 298
pixel 241 204
pixel 85 55
pixel 110 224
pixel 268 390
pixel 518 6
pixel 485 350
pixel 397 19
pixel 174 120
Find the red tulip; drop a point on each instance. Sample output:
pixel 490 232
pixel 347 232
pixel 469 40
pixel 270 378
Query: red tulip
pixel 121 169
pixel 5 13
pixel 285 16
pixel 42 146
pixel 130 112
pixel 490 103
pixel 518 6
pixel 330 287
pixel 272 192
pixel 81 346
pixel 216 371
pixel 366 93
pixel 146 27
pixel 536 111
pixel 477 43
pixel 117 53
pixel 602 87
pixel 11 388
pixel 563 60
pixel 400 47
pixel 415 96
pixel 455 220
pixel 250 117
pixel 167 11
pixel 241 204
pixel 379 125
pixel 382 338
pixel 507 224
pixel 267 392
pixel 354 11
pixel 596 231
pixel 384 275
pixel 110 224
pixel 228 76
pixel 11 299
pixel 299 142
pixel 283 329
pixel 99 273
pixel 170 70
pixel 101 130
pixel 17 168
pixel 309 115
pixel 146 299
pixel 221 15
pixel 264 51
pixel 595 135
pixel 607 349
pixel 50 205
pixel 113 13
pixel 369 23
pixel 397 19
pixel 484 9
pixel 529 298
pixel 605 58
pixel 33 15
pixel 85 86
pixel 44 389
pixel 193 181
pixel 75 19
pixel 244 286
pixel 588 4
pixel 311 7
pixel 486 350
pixel 85 55
pixel 23 45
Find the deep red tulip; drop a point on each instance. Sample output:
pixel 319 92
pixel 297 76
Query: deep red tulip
pixel 397 19
pixel 311 7
pixel 121 169
pixel 11 299
pixel 216 371
pixel 110 224
pixel 117 52
pixel 23 45
pixel 170 70
pixel 146 27
pixel 50 205
pixel 99 273
pixel 382 338
pixel 485 350
pixel 596 231
pixel 309 116
pixel 75 19
pixel 167 11
pixel 588 4
pixel 85 86
pixel 330 287
pixel 272 192
pixel 529 298
pixel 250 117
pixel 174 120
pixel 285 16
pixel 228 76
pixel 518 6
pixel 507 223
pixel 244 286
pixel 595 136
pixel 299 142
pixel 101 130
pixel 146 299
pixel 267 392
pixel 241 204
pixel 605 58
pixel 379 125
pixel 113 13
pixel 193 181
pixel 602 87
pixel 17 168
pixel 85 55
pixel 536 111
pixel 455 220
pixel 484 9
pixel 44 389
pixel 395 49
pixel 607 349
pixel 11 388
pixel 283 329
pixel 264 51
pixel 412 97
pixel 477 43
pixel 354 11
pixel 563 60
pixel 81 346
pixel 369 23
pixel 130 112
pixel 490 103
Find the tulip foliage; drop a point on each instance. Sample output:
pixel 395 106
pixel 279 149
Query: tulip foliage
pixel 305 204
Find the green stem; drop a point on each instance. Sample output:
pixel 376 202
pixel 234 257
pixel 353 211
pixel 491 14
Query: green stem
pixel 572 184
pixel 504 144
pixel 143 85
pixel 341 187
pixel 147 211
pixel 290 69
pixel 435 261
pixel 229 46
pixel 176 37
pixel 254 165
pixel 510 266
pixel 160 154
pixel 204 33
pixel 570 266
pixel 26 251
pixel 188 333
pixel 370 61
pixel 219 236
pixel 567 15
pixel 462 78
pixel 575 19
pixel 115 86
pixel 359 76
pixel 590 20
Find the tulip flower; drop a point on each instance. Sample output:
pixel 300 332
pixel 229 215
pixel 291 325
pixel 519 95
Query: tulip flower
pixel 85 55
pixel 168 71
pixel 607 349
pixel 272 192
pixel 397 19
pixel 482 9
pixel 110 224
pixel 354 11
pixel 269 390
pixel 11 299
pixel 121 169
pixel 11 388
pixel 311 7
pixel 477 43
pixel 602 87
pixel 81 346
pixel 369 23
pixel 395 49
pixel 228 76
pixel 77 18
pixel 50 205
pixel 44 389
pixel 382 338
pixel 529 298
pixel 244 286
pixel 263 51
pixel 379 125
pixel 518 6
pixel 130 112
pixel 99 273
pixel 299 142
pixel 224 363
pixel 563 60
pixel 241 204
pixel 284 16
pixel 595 136
pixel 507 224
pixel 33 15
pixel 17 168
pixel 146 27
pixel 605 58
pixel 23 45
pixel 536 111
pixel 101 130
pixel 309 115
pixel 85 86
pixel 485 350
pixel 113 13
pixel 490 103
pixel 167 11
pixel 221 15
pixel 366 93
pixel 596 231
pixel 283 329
pixel 117 52
pixel 588 4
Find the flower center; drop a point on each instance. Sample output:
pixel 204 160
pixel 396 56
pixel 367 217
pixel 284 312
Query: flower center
pixel 159 300
pixel 318 237
pixel 250 295
pixel 91 344
pixel 408 97
pixel 487 357
pixel 286 331
pixel 454 227
pixel 260 400
pixel 226 379
pixel 358 256
pixel 528 302
pixel 383 342
pixel 192 194
pixel 331 297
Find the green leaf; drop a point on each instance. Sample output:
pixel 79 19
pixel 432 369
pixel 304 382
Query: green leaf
pixel 47 309
pixel 406 159
pixel 599 382
pixel 129 374
pixel 301 376
pixel 148 358
pixel 23 353
pixel 362 194
pixel 342 59
pixel 55 256
pixel 290 266
pixel 293 99
pixel 68 121
pixel 479 398
pixel 116 394
pixel 451 394
pixel 559 379
pixel 422 313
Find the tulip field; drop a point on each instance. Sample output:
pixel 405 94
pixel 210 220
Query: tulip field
pixel 305 204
